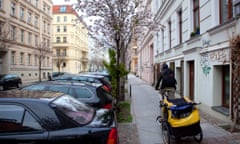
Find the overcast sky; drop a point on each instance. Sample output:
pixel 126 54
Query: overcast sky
pixel 57 2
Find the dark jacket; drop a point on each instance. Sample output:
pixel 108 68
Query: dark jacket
pixel 167 83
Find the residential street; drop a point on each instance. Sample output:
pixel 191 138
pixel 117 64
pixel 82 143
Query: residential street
pixel 145 109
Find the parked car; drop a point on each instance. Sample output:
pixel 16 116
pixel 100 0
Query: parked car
pixel 93 94
pixel 55 74
pixel 53 117
pixel 86 78
pixel 105 74
pixel 9 80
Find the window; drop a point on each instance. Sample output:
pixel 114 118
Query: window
pixel 29 59
pixel 44 7
pixel 58 18
pixel 169 33
pixel 36 21
pixel 58 28
pixel 36 3
pixel 196 23
pixel 58 52
pixel 225 10
pixel 13 32
pixel 64 52
pixel 29 17
pixel 35 59
pixel 48 10
pixel 237 8
pixel 1 4
pixel 15 118
pixel 30 38
pixel 58 39
pixel 22 35
pixel 21 58
pixel 1 26
pixel 48 61
pixel 36 40
pixel 65 28
pixel 62 9
pixel 180 25
pixel 162 39
pixel 64 39
pixel 48 28
pixel 13 9
pixel 13 57
pixel 81 93
pixel 65 18
pixel 44 26
pixel 48 43
pixel 21 13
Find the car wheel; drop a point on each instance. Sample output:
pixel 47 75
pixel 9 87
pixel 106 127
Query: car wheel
pixel 1 88
pixel 19 85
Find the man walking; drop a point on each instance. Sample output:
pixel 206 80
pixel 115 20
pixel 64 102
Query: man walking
pixel 168 82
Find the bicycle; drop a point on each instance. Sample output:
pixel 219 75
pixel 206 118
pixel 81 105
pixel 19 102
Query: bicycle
pixel 180 118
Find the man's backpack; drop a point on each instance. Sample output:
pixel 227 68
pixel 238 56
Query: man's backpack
pixel 168 79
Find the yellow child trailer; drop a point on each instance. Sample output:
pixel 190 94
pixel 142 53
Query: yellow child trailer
pixel 180 118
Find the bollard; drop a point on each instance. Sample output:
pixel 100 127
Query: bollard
pixel 130 91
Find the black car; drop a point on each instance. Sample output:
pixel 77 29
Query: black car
pixel 9 80
pixel 53 117
pixel 93 94
pixel 86 78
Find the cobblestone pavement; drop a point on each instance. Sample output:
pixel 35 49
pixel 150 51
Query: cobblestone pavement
pixel 128 133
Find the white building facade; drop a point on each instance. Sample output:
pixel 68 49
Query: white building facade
pixel 193 40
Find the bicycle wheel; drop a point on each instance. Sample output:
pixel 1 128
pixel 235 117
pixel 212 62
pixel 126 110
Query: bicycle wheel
pixel 165 133
pixel 198 138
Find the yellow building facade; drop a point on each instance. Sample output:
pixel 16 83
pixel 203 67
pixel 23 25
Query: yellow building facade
pixel 70 41
pixel 25 44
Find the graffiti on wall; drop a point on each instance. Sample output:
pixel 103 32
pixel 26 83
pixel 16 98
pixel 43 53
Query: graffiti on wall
pixel 205 63
pixel 220 56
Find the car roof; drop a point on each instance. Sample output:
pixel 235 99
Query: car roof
pixel 70 83
pixel 29 94
pixel 84 75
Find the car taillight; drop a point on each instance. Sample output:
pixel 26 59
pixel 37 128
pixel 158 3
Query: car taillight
pixel 113 136
pixel 107 88
pixel 107 106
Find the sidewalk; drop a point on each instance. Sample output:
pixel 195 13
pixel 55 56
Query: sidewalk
pixel 144 129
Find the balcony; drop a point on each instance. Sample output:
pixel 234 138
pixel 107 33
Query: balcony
pixel 84 59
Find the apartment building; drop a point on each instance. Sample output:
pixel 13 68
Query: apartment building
pixel 193 39
pixel 26 38
pixel 70 41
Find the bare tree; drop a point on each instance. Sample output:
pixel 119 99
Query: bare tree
pixel 42 50
pixel 59 59
pixel 5 36
pixel 114 22
pixel 97 62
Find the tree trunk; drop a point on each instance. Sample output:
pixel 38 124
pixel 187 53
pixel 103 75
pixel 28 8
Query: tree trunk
pixel 40 71
pixel 235 65
pixel 118 73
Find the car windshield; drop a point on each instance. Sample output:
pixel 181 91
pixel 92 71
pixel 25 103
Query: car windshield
pixel 77 111
pixel 34 87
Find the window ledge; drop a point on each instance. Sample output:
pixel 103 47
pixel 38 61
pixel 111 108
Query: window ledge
pixel 221 109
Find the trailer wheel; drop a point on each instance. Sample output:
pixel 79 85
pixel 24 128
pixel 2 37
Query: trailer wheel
pixel 166 133
pixel 198 138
